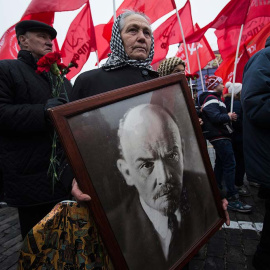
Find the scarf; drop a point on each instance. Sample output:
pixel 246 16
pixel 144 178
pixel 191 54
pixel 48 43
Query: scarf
pixel 119 58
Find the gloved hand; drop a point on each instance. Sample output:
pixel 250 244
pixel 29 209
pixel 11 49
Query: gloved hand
pixel 52 102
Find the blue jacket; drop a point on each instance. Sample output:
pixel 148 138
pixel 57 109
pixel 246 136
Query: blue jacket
pixel 215 117
pixel 255 100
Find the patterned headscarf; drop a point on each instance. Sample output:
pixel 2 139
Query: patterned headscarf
pixel 212 81
pixel 119 58
pixel 167 66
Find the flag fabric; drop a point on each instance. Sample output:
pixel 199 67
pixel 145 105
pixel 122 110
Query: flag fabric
pixel 169 32
pixel 227 39
pixel 233 14
pixel 8 44
pixel 253 14
pixel 103 46
pixel 204 51
pixel 225 70
pixel 80 40
pixel 154 9
pixel 37 6
pixel 9 47
pixel 42 11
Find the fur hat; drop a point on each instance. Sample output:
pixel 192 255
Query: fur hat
pixel 212 81
pixel 31 25
pixel 167 66
pixel 237 87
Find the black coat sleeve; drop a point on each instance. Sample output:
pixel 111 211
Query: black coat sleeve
pixel 17 117
pixel 256 90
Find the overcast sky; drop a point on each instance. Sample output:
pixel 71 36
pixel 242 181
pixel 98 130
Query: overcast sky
pixel 203 11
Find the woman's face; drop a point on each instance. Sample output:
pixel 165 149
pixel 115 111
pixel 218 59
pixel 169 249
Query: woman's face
pixel 136 37
pixel 179 68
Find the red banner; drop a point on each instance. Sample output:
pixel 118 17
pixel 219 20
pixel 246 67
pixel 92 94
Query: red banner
pixel 204 51
pixel 169 33
pixel 8 43
pixel 80 40
pixel 37 6
pixel 225 70
pixel 233 14
pixel 227 40
pixel 154 9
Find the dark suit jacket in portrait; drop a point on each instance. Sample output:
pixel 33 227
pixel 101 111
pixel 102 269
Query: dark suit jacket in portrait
pixel 138 238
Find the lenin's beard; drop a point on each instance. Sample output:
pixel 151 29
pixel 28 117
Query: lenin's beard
pixel 169 196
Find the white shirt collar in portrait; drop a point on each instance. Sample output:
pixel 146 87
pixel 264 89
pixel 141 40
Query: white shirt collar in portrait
pixel 160 223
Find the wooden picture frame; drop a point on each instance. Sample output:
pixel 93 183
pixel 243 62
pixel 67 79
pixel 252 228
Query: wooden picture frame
pixel 88 131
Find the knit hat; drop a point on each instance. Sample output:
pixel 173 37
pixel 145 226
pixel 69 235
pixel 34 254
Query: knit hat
pixel 167 66
pixel 212 81
pixel 237 87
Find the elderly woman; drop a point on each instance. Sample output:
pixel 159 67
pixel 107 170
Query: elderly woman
pixel 132 46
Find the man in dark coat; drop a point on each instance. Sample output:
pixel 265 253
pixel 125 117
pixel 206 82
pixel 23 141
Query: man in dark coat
pixel 26 135
pixel 217 129
pixel 255 100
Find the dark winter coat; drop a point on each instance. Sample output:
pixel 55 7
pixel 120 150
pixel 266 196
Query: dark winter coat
pixel 25 138
pixel 255 98
pixel 99 81
pixel 216 121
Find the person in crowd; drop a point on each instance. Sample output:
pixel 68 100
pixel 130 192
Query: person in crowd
pixel 171 65
pixel 175 65
pixel 255 100
pixel 153 162
pixel 237 136
pixel 26 135
pixel 218 130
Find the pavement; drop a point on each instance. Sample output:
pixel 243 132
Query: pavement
pixel 231 248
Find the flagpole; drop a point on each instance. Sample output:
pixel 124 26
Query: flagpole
pixel 97 58
pixel 185 46
pixel 199 64
pixel 217 61
pixel 235 65
pixel 114 11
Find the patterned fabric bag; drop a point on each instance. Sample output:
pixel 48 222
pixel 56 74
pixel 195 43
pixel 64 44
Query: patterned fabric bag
pixel 66 239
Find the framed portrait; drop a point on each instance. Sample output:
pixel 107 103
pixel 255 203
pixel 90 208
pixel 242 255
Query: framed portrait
pixel 140 154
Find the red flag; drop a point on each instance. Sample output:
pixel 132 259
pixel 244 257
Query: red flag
pixel 154 9
pixel 234 13
pixel 8 43
pixel 227 40
pixel 42 11
pixel 225 70
pixel 169 33
pixel 80 40
pixel 103 46
pixel 204 50
pixel 37 6
pixel 257 17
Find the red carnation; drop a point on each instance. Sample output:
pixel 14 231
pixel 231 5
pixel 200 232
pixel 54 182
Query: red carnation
pixel 73 63
pixel 192 76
